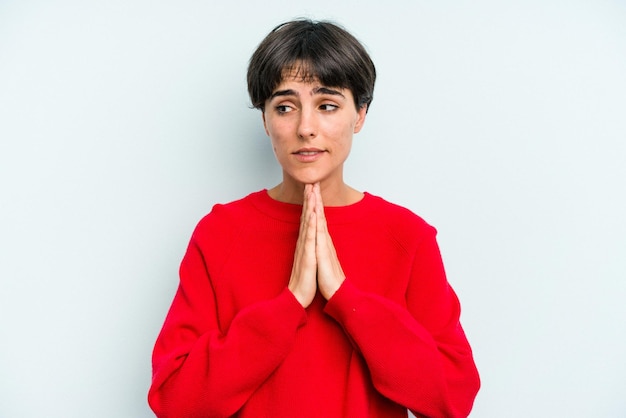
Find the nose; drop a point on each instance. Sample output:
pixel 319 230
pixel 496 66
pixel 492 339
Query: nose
pixel 307 125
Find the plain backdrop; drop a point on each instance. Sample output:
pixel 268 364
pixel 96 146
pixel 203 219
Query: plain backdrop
pixel 502 123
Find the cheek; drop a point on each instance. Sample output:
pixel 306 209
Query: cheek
pixel 277 140
pixel 342 134
pixel 276 129
pixel 271 131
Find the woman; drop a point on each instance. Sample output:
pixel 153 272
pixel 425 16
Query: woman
pixel 312 299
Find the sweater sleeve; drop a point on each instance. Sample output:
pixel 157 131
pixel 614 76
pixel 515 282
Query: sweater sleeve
pixel 418 355
pixel 199 371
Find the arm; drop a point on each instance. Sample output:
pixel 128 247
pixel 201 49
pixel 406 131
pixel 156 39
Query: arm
pixel 417 354
pixel 199 370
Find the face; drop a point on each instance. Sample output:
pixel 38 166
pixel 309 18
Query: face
pixel 311 128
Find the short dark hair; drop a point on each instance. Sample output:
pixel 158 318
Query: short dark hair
pixel 316 50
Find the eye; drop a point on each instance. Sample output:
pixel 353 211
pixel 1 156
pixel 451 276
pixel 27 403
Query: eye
pixel 328 107
pixel 283 109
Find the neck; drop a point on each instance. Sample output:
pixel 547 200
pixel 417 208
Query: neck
pixel 333 194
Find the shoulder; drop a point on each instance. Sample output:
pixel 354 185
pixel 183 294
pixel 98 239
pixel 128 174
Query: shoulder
pixel 226 218
pixel 396 215
pixel 402 223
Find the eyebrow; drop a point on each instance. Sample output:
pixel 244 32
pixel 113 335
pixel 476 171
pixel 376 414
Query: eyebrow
pixel 317 90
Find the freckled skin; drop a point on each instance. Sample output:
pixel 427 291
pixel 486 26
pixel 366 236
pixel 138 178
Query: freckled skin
pixel 306 115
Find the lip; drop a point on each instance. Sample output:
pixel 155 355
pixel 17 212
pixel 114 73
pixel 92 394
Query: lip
pixel 308 155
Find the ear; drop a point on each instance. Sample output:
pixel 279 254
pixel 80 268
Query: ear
pixel 361 113
pixel 265 123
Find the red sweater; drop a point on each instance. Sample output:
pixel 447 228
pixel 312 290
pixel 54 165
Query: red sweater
pixel 236 342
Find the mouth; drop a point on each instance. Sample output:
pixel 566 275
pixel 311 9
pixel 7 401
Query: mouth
pixel 308 155
pixel 308 151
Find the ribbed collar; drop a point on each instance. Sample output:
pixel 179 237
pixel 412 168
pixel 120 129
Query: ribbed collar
pixel 289 212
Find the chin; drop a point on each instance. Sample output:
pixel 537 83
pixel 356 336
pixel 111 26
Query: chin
pixel 307 178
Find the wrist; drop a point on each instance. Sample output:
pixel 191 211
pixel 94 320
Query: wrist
pixel 302 298
pixel 328 289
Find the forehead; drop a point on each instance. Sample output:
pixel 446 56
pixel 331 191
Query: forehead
pixel 299 71
pixel 307 73
pixel 299 78
pixel 298 88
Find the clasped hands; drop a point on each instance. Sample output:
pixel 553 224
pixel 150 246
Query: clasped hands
pixel 315 264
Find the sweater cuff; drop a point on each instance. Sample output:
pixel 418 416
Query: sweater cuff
pixel 344 303
pixel 291 308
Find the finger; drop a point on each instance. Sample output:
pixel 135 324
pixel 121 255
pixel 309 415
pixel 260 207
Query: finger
pixel 317 189
pixel 310 236
pixel 305 201
pixel 308 189
pixel 310 197
pixel 307 208
pixel 319 210
pixel 306 239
